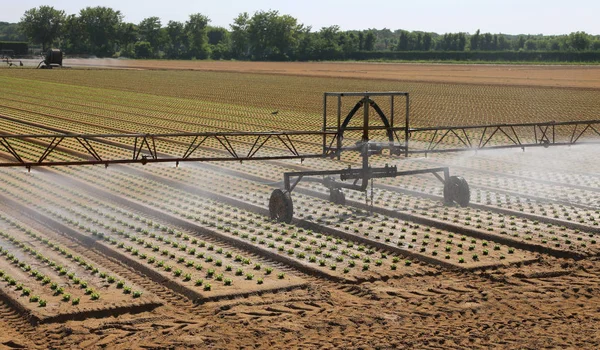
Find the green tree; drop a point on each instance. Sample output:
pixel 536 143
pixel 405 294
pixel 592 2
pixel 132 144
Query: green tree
pixel 503 44
pixel 177 41
pixel 520 42
pixel 326 44
pixel 427 42
pixel 149 30
pixel 143 49
pixel 578 41
pixel 128 36
pixel 11 32
pixel 403 41
pixel 196 31
pixel 220 43
pixel 361 41
pixel 349 43
pixel 474 40
pixel 272 36
pixel 240 42
pixel 217 35
pixel 306 45
pixel 43 25
pixel 74 36
pixel 531 45
pixel 369 41
pixel 101 29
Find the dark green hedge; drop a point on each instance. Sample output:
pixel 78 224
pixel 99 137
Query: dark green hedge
pixel 19 48
pixel 506 56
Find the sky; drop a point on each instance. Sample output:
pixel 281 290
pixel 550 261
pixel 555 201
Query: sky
pixel 548 17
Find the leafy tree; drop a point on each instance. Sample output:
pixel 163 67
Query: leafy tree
pixel 531 45
pixel 240 41
pixel 427 42
pixel 403 41
pixel 149 30
pixel 42 25
pixel 143 49
pixel 369 41
pixel 177 41
pixel 128 36
pixel 217 35
pixel 306 45
pixel 520 42
pixel 503 44
pixel 361 41
pixel 273 36
pixel 474 40
pixel 220 43
pixel 486 42
pixel 196 31
pixel 461 39
pixel 11 32
pixel 74 36
pixel 348 42
pixel 101 29
pixel 326 44
pixel 578 41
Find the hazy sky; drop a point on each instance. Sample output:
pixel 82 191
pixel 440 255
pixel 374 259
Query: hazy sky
pixel 506 16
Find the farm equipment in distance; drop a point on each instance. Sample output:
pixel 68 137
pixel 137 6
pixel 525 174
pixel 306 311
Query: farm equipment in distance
pixel 53 58
pixel 380 138
pixel 8 56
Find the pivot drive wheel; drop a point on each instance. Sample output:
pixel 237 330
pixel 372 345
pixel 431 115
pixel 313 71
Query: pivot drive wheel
pixel 456 190
pixel 337 196
pixel 281 207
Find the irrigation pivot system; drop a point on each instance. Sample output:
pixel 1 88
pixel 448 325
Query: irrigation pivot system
pixel 370 123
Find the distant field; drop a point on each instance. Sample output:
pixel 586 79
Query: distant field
pixel 583 76
pixel 299 98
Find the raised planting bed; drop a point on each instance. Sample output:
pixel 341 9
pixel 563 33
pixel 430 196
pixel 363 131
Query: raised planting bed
pixel 435 245
pixel 198 269
pixel 49 283
pixel 311 252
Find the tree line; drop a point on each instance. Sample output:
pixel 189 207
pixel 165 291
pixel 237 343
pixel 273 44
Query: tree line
pixel 11 32
pixel 265 35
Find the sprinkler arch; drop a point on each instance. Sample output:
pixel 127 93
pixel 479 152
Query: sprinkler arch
pixel 375 106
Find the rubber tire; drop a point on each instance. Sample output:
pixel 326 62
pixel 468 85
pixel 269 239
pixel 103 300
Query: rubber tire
pixel 337 196
pixel 281 207
pixel 456 190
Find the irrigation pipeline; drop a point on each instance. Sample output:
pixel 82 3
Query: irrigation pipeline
pixel 385 187
pixel 145 160
pixel 547 137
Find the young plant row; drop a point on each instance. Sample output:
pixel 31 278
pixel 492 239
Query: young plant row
pixel 64 276
pixel 412 238
pixel 180 256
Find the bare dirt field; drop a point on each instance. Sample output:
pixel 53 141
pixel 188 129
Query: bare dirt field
pixel 156 256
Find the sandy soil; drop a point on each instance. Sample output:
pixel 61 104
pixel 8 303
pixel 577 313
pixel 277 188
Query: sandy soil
pixel 551 303
pixel 524 75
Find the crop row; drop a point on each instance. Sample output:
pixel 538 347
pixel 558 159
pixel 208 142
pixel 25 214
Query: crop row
pixel 289 241
pixel 446 104
pixel 55 275
pixel 438 244
pixel 182 257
